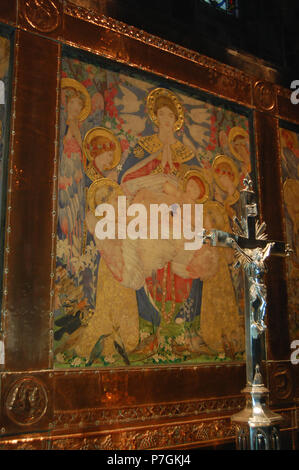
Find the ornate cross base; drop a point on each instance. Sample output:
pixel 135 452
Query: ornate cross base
pixel 257 425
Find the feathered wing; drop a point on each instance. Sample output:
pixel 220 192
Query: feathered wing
pixel 71 197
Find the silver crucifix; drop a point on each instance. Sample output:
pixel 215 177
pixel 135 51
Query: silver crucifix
pixel 257 425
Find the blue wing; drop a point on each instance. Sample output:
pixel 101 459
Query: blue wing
pixel 71 196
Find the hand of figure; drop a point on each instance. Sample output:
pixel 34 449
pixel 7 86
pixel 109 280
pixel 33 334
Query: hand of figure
pixel 204 263
pixel 167 156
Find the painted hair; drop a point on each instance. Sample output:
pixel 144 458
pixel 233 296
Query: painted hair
pixel 162 101
pixel 72 93
pixel 99 145
pixel 224 169
pixel 199 184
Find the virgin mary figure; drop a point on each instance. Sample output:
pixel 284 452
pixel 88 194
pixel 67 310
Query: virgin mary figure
pixel 161 152
pixel 170 288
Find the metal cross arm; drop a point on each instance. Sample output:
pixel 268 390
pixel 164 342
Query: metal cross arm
pixel 231 240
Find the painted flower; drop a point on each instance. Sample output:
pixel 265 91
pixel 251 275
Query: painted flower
pixel 97 102
pixel 63 249
pixel 87 82
pixel 124 145
pixel 76 362
pixel 60 358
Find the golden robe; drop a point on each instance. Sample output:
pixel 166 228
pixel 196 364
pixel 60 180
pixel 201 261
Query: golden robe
pixel 221 324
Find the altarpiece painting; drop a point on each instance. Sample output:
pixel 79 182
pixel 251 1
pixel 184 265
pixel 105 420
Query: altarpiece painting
pixel 137 301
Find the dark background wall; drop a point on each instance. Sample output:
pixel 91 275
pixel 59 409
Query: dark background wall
pixel 264 29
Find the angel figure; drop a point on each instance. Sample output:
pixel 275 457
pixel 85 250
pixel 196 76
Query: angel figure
pixel 226 178
pixel 116 305
pixel 71 174
pixel 238 142
pixel 102 153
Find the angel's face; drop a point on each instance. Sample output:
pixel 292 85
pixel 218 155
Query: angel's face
pixel 241 146
pixel 193 189
pixel 74 107
pixel 104 160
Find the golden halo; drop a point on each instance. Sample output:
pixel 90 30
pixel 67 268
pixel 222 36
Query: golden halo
pixel 205 193
pixel 91 134
pixel 233 133
pixel 106 187
pixel 163 92
pixel 71 83
pixel 224 159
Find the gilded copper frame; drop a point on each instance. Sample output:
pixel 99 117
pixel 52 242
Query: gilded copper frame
pixel 70 414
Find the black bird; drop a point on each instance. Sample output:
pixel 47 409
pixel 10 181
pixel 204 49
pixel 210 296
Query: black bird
pixel 121 350
pixel 68 323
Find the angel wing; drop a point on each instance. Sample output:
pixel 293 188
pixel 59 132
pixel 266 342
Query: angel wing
pixel 129 101
pixel 71 195
pixel 135 82
pixel 198 132
pixel 200 115
pixel 133 122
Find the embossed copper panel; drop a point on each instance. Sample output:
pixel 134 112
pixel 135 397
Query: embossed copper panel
pixel 268 151
pixel 32 153
pixel 281 382
pixel 147 386
pixel 26 402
